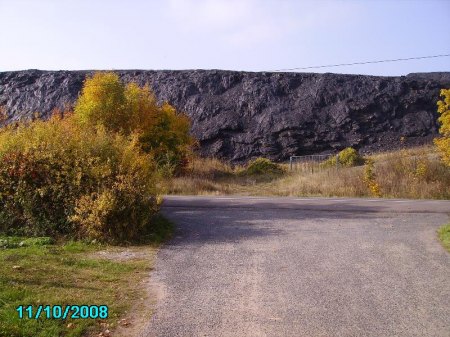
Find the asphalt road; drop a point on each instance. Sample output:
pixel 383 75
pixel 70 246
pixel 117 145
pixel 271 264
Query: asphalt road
pixel 302 267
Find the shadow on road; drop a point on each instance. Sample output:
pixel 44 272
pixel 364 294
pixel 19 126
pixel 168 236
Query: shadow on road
pixel 211 222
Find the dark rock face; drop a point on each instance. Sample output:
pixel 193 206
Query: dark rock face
pixel 240 115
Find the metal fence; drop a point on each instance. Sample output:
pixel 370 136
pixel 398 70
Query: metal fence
pixel 315 163
pixel 310 163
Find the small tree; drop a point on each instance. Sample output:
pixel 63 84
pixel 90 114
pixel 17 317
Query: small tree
pixel 443 143
pixel 168 137
pixel 131 109
pixel 102 101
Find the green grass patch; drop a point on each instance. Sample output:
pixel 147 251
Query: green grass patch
pixel 38 271
pixel 17 241
pixel 444 236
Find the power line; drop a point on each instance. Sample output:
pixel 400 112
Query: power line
pixel 358 63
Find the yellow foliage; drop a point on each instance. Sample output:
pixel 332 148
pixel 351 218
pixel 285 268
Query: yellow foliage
pixel 370 179
pixel 169 138
pixel 444 110
pixel 421 169
pixel 374 188
pixel 142 106
pixel 348 157
pixel 93 173
pixel 58 177
pixel 102 101
pixel 162 130
pixel 443 143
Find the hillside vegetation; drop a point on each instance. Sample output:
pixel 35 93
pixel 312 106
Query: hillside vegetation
pixel 408 173
pixel 92 177
pixel 97 173
pixel 420 172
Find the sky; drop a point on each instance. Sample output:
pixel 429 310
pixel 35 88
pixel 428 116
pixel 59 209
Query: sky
pixel 249 35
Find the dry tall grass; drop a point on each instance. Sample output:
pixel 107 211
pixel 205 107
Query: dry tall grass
pixel 413 173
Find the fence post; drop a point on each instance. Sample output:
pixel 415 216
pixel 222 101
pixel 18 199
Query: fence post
pixel 290 163
pixel 337 161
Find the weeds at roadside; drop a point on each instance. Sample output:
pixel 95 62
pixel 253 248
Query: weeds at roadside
pixel 444 236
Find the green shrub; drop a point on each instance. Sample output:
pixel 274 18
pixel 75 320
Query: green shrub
pixel 59 178
pixel 262 166
pixel 348 157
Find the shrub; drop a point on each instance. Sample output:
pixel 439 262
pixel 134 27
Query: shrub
pixel 59 178
pixel 162 130
pixel 262 166
pixel 443 143
pixel 348 157
pixel 370 179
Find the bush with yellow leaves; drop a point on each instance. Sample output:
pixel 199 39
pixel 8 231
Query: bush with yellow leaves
pixel 129 108
pixel 370 179
pixel 443 143
pixel 348 157
pixel 60 178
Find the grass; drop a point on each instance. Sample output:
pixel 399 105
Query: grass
pixel 444 236
pixel 415 173
pixel 37 271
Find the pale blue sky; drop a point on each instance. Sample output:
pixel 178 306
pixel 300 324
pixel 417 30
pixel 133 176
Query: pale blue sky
pixel 251 35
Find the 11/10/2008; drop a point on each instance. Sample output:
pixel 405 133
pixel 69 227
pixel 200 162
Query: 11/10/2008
pixel 63 312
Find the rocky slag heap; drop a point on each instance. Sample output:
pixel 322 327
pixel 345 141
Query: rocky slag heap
pixel 240 115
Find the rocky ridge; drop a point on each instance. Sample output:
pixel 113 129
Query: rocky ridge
pixel 241 115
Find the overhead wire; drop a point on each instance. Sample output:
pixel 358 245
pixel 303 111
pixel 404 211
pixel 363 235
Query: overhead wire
pixel 360 63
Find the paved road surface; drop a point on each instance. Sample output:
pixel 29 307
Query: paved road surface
pixel 303 267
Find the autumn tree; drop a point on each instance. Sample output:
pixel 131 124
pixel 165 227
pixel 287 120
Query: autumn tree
pixel 102 101
pixel 168 138
pixel 131 109
pixel 443 142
